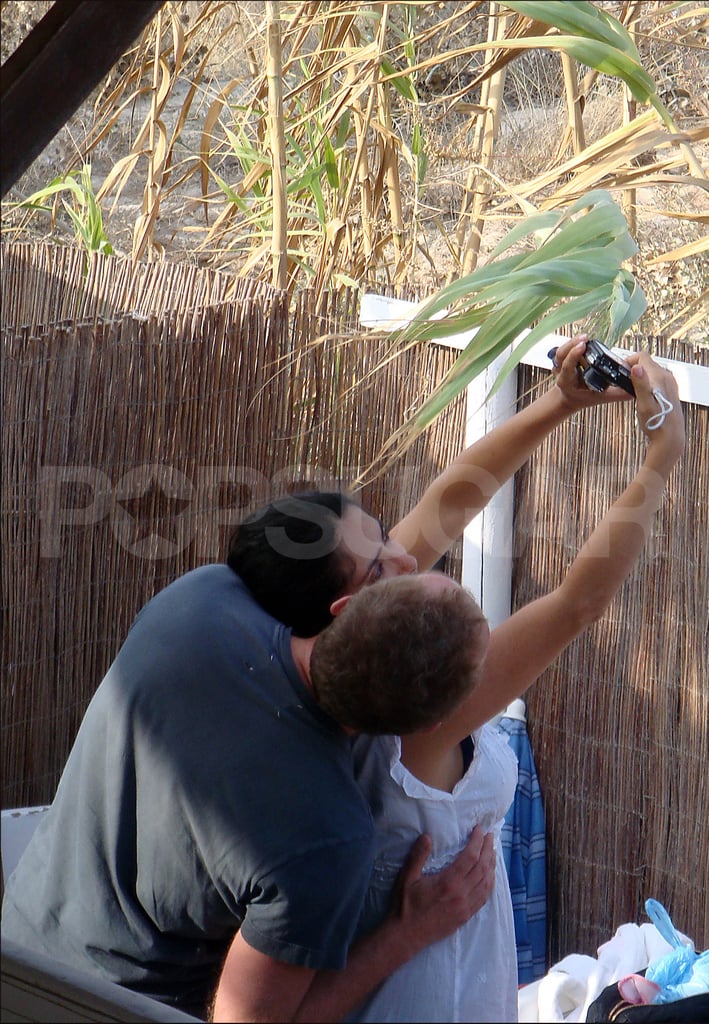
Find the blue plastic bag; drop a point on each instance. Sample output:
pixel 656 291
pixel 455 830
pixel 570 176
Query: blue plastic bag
pixel 682 972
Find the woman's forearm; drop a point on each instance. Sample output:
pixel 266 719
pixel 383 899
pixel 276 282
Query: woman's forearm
pixel 466 486
pixel 612 550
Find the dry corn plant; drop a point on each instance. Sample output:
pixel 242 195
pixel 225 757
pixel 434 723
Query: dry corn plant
pixel 339 144
pixel 365 89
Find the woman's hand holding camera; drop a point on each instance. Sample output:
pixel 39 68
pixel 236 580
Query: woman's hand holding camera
pixel 658 406
pixel 566 368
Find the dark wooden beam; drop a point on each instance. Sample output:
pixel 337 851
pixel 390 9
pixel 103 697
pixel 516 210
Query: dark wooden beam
pixel 55 68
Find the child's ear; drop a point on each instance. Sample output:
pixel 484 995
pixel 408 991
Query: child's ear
pixel 337 606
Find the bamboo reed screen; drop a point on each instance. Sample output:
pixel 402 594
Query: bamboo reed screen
pixel 136 435
pixel 148 407
pixel 620 724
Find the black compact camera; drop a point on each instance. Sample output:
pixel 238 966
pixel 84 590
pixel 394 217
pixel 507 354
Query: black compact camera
pixel 600 368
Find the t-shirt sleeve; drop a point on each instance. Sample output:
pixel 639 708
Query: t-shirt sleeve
pixel 305 912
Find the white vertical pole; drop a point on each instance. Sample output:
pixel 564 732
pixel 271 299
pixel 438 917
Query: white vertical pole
pixel 488 539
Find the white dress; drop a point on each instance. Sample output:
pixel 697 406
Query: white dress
pixel 471 975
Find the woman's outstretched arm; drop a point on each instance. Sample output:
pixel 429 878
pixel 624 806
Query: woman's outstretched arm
pixel 523 646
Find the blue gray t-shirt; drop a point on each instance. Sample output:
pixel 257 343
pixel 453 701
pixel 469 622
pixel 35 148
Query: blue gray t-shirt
pixel 206 792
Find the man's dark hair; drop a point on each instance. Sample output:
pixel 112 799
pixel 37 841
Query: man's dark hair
pixel 399 658
pixel 287 554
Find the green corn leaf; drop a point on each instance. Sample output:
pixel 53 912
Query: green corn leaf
pixel 78 223
pixel 488 344
pixel 578 17
pixel 627 305
pixel 598 55
pixel 583 247
pixel 247 155
pixel 295 147
pixel 574 311
pixel 419 152
pixel 310 182
pixel 226 188
pixel 575 272
pixel 37 199
pixel 401 82
pixel 343 130
pixel 597 215
pixel 83 210
pixel 606 59
pixel 498 334
pixel 592 37
pixel 333 177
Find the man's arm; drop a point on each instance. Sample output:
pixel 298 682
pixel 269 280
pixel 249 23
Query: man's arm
pixel 426 908
pixel 466 486
pixel 255 987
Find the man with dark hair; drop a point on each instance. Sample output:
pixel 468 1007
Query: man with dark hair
pixel 303 530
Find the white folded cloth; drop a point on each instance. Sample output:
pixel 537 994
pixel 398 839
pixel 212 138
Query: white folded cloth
pixel 568 989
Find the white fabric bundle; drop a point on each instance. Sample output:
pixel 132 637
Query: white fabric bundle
pixel 567 990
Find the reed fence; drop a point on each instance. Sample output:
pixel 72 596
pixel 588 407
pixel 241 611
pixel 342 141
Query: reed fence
pixel 148 407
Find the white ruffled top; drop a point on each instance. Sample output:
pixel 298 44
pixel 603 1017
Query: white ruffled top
pixel 471 975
